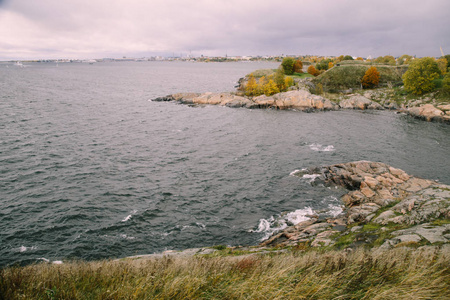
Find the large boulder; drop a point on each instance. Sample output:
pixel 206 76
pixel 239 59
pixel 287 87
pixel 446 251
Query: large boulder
pixel 302 100
pixel 359 102
pixel 427 112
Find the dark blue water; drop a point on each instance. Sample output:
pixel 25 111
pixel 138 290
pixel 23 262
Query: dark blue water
pixel 91 169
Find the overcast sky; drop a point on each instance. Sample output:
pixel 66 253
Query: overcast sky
pixel 38 29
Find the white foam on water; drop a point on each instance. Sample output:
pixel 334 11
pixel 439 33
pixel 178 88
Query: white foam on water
pixel 335 210
pixel 201 225
pixel 124 236
pixel 129 216
pixel 271 225
pixel 320 148
pixel 57 262
pixel 295 172
pixel 311 177
pixel 23 248
pixel 299 215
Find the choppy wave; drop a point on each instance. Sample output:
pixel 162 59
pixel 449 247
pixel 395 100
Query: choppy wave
pixel 127 218
pixel 271 225
pixel 275 224
pixel 320 148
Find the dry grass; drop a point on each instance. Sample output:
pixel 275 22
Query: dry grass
pixel 362 274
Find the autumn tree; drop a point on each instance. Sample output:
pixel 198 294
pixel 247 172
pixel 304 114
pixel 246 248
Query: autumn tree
pixel 270 88
pixel 251 86
pixel 418 79
pixel 446 84
pixel 323 65
pixel 371 78
pixel 279 79
pixel 298 66
pixel 330 65
pixel 442 64
pixel 288 65
pixel 447 57
pixel 313 71
pixel 360 58
pixel 347 57
pixel 288 81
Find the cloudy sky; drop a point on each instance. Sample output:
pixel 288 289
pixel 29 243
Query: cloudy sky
pixel 37 29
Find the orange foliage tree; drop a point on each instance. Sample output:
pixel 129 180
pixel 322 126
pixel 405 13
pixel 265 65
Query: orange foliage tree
pixel 371 78
pixel 298 66
pixel 313 71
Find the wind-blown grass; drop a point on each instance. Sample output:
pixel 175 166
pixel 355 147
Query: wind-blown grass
pixel 361 274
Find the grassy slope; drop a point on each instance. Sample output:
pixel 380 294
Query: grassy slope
pixel 349 76
pixel 362 274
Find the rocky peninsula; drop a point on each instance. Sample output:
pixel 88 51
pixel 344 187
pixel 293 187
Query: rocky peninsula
pixel 303 100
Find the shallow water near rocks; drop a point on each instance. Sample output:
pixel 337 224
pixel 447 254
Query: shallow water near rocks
pixel 91 169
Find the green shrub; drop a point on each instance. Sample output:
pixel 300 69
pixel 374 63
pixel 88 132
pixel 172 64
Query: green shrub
pixel 420 75
pixel 288 65
pixel 446 84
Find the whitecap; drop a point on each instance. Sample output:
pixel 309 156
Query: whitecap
pixel 320 148
pixel 43 259
pixel 295 172
pixel 335 210
pixel 201 225
pixel 124 236
pixel 299 215
pixel 23 248
pixel 271 225
pixel 57 262
pixel 129 216
pixel 126 218
pixel 311 177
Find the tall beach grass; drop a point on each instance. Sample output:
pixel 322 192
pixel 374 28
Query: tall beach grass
pixel 360 274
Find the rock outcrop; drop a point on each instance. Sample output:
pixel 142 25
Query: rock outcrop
pixel 298 99
pixel 384 207
pixel 359 102
pixel 429 113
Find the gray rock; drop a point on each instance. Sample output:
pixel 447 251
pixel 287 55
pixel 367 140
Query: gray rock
pixel 432 234
pixel 359 102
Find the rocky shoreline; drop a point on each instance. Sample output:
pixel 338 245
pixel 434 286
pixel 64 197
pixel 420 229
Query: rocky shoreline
pixel 385 207
pixel 303 100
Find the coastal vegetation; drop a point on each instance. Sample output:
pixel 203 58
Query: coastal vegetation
pixel 399 273
pixel 406 77
pixel 420 76
pixel 268 85
pixel 371 78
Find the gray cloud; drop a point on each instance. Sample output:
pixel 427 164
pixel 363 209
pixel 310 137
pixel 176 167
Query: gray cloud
pixel 100 28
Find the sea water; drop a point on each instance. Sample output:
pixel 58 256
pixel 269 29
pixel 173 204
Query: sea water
pixel 91 168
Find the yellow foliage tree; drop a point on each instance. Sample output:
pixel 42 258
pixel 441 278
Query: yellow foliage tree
pixel 442 64
pixel 330 65
pixel 288 81
pixel 418 79
pixel 260 87
pixel 251 86
pixel 360 58
pixel 270 88
pixel 371 78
